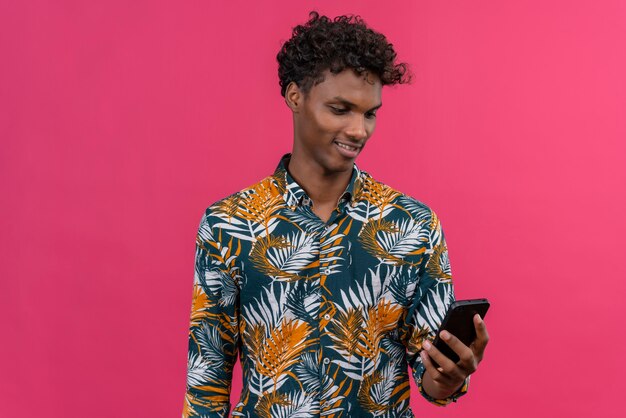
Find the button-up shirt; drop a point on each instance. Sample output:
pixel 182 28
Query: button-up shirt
pixel 326 317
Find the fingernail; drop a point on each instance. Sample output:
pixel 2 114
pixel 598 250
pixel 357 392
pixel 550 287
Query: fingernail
pixel 445 335
pixel 427 344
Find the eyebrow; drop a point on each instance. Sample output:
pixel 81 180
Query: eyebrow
pixel 350 104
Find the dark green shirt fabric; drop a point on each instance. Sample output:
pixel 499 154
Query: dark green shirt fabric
pixel 327 318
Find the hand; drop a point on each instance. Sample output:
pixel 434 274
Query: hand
pixel 446 379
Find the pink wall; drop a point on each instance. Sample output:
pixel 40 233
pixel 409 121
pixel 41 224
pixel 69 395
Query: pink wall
pixel 121 121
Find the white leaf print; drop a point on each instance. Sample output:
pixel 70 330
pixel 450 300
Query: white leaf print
pixel 434 306
pixel 381 391
pixel 418 209
pixel 198 370
pixel 303 249
pixel 211 344
pixel 364 211
pixel 409 237
pixel 268 309
pixel 300 405
pixel 308 372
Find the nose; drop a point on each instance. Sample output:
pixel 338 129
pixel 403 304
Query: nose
pixel 357 129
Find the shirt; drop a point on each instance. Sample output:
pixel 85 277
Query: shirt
pixel 326 317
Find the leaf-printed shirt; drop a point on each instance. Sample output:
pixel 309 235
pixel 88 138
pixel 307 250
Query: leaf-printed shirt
pixel 326 317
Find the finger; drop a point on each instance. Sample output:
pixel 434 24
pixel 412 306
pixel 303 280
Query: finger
pixel 447 365
pixel 435 372
pixel 467 360
pixel 482 337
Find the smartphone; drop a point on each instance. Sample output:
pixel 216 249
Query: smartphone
pixel 459 321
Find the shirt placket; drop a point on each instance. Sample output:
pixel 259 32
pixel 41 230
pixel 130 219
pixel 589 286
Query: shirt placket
pixel 325 311
pixel 324 315
pixel 321 230
pixel 326 307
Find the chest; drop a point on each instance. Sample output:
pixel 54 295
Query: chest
pixel 310 265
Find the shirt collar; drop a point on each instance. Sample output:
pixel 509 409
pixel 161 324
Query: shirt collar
pixel 295 195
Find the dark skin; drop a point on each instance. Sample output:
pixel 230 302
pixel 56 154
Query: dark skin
pixel 342 109
pixel 443 381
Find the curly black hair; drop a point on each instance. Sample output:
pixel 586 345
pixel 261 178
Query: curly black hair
pixel 337 44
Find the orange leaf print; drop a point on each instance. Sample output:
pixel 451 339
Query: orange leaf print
pixel 282 348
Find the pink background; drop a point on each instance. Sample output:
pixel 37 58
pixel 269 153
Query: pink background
pixel 121 121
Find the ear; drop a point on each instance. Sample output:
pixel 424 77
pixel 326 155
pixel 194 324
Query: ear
pixel 293 97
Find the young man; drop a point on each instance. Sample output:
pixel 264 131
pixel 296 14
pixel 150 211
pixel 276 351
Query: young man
pixel 328 283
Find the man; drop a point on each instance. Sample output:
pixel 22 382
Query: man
pixel 328 283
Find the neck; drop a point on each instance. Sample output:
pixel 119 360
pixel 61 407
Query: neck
pixel 322 187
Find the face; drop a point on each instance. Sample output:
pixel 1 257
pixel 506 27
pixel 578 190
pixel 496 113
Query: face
pixel 334 121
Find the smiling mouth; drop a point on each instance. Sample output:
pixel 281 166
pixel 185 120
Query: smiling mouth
pixel 346 147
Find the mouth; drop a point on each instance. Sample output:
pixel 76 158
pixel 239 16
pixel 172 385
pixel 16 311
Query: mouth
pixel 348 151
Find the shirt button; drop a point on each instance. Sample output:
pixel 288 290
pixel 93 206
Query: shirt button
pixel 327 271
pixel 327 317
pixel 326 360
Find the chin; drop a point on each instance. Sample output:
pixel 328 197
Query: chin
pixel 338 164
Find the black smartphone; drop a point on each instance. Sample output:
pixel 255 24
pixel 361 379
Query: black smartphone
pixel 459 321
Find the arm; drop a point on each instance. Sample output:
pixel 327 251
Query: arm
pixel 213 331
pixel 433 295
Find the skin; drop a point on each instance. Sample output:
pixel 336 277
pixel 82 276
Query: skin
pixel 343 108
pixel 443 381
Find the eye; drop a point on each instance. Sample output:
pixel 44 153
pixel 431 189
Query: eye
pixel 338 110
pixel 370 115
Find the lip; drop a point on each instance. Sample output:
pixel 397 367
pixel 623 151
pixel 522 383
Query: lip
pixel 345 152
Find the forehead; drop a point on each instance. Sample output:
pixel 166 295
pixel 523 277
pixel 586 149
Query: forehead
pixel 364 89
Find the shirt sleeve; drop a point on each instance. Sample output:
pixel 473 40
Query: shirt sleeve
pixel 213 330
pixel 434 292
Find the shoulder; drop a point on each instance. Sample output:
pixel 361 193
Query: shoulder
pixel 229 206
pixel 419 210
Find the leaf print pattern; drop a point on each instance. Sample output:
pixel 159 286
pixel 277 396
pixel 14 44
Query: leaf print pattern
pixel 282 258
pixel 283 347
pixel 326 317
pixel 394 242
pixel 346 332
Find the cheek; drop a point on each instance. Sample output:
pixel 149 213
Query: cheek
pixel 328 123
